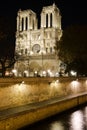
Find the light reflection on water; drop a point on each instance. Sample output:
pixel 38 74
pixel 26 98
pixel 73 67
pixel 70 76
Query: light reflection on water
pixel 57 126
pixel 70 120
pixel 77 120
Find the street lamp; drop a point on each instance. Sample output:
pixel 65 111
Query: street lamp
pixel 73 73
pixel 42 52
pixel 14 71
pixel 42 60
pixel 28 64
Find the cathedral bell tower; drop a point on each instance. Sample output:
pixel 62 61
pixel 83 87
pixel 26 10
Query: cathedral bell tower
pixel 50 17
pixel 26 20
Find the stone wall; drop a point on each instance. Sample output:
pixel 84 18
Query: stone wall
pixel 28 117
pixel 21 91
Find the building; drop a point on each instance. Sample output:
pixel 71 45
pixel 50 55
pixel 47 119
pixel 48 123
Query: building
pixel 35 46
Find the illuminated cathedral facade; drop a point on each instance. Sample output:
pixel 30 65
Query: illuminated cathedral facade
pixel 35 47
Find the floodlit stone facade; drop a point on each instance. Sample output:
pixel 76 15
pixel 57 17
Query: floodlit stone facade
pixel 35 46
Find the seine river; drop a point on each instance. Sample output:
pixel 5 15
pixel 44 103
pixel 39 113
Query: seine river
pixel 75 119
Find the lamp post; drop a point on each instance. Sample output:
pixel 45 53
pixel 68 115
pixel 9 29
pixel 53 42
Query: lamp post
pixel 29 65
pixel 42 62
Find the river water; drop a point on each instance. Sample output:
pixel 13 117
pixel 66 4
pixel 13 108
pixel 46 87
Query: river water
pixel 75 119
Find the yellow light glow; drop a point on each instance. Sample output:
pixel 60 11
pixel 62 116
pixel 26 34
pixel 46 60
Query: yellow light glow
pixel 14 70
pixel 86 82
pixel 73 73
pixel 54 84
pixel 75 85
pixel 57 126
pixel 7 73
pixel 21 87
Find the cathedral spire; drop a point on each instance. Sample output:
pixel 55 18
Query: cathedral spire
pixel 54 3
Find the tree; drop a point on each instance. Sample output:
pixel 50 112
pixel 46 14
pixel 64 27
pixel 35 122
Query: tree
pixel 72 49
pixel 6 45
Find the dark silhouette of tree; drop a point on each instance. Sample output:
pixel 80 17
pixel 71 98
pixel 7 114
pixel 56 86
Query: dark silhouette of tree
pixel 72 49
pixel 7 44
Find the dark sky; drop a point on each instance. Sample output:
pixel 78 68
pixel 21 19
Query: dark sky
pixel 72 11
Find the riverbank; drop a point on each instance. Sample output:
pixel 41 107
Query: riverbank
pixel 18 117
pixel 24 101
pixel 15 92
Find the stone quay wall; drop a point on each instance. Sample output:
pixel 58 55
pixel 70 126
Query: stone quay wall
pixel 19 120
pixel 21 91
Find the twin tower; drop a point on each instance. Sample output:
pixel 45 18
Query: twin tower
pixel 35 47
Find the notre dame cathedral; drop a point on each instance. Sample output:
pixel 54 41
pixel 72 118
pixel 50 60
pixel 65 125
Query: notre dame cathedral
pixel 35 46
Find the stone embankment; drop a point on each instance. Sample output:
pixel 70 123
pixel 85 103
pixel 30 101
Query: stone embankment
pixel 27 100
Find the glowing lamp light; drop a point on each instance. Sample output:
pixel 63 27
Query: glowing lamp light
pixel 57 74
pixel 75 85
pixel 48 71
pixel 7 73
pixel 35 72
pixel 44 72
pixel 14 70
pixel 31 53
pixel 73 73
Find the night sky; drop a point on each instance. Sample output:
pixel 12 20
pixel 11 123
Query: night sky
pixel 72 12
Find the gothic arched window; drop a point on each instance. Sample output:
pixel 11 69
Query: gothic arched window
pixel 46 50
pixel 22 24
pixel 51 20
pixel 46 20
pixel 50 49
pixel 26 23
pixel 33 23
pixel 22 51
pixel 26 51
